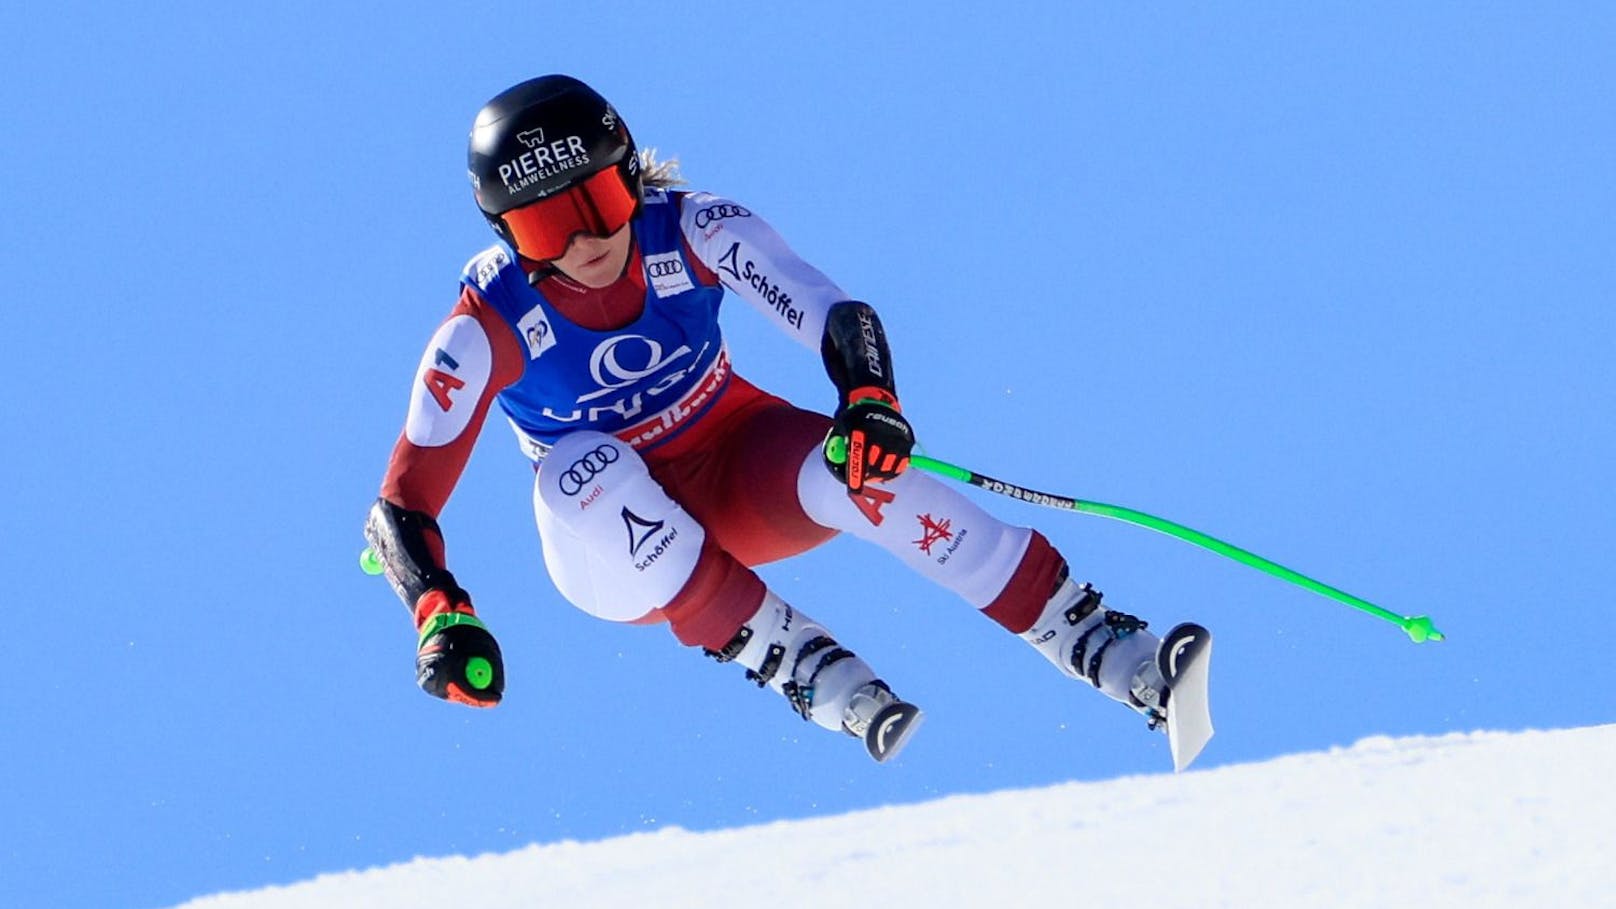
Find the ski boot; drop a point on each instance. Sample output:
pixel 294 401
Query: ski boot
pixel 1114 652
pixel 787 651
pixel 1109 649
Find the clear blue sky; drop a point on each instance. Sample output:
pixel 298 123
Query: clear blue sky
pixel 1334 284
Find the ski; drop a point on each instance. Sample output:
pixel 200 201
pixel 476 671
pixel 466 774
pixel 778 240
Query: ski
pixel 891 729
pixel 1185 661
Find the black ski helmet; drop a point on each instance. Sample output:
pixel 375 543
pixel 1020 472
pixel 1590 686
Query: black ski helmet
pixel 540 138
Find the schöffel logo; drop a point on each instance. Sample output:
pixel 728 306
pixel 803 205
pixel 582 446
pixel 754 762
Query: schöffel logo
pixel 640 530
pixel 730 261
pixel 577 476
pixel 718 213
pixel 640 534
pixel 747 272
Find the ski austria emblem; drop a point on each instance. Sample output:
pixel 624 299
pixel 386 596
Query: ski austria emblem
pixel 536 332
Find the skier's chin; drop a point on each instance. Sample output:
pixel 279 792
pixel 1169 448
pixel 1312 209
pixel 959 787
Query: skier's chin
pixel 596 262
pixel 600 273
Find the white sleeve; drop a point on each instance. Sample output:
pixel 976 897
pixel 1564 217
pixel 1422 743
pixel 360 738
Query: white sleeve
pixel 757 265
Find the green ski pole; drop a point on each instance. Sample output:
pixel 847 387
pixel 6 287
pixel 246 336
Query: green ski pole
pixel 1418 628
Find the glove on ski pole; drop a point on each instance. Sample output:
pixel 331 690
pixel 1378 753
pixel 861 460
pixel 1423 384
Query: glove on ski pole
pixel 869 442
pixel 457 658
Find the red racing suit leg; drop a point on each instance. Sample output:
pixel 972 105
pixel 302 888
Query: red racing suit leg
pixel 735 472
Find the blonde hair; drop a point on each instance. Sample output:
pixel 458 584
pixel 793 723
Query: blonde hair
pixel 659 174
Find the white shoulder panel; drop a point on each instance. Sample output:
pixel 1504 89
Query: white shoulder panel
pixel 756 264
pixel 452 377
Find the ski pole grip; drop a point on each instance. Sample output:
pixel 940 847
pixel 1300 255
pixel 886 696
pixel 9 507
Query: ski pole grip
pixel 836 449
pixel 932 465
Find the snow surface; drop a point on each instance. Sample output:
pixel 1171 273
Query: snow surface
pixel 1472 820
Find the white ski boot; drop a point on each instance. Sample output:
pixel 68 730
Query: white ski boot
pixel 787 651
pixel 1106 648
pixel 1112 651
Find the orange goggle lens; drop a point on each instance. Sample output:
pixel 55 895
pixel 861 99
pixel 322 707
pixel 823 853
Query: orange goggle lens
pixel 598 206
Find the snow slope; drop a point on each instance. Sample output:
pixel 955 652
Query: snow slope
pixel 1484 819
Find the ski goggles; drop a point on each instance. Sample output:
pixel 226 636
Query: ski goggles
pixel 599 206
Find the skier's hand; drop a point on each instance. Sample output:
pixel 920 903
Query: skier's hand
pixel 457 659
pixel 870 440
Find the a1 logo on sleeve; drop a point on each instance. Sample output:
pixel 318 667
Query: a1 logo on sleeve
pixel 449 382
pixel 667 274
pixel 440 384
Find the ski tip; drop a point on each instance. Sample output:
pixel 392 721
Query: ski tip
pixel 1182 646
pixel 1185 661
pixel 891 730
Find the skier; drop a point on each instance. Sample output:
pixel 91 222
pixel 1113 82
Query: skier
pixel 663 476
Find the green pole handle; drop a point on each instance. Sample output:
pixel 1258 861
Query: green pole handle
pixel 479 673
pixel 1418 628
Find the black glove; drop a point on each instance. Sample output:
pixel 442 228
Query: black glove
pixel 458 659
pixel 869 442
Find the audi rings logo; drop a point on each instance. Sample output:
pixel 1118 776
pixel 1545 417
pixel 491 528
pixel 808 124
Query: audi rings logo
pixel 575 478
pixel 665 268
pixel 718 213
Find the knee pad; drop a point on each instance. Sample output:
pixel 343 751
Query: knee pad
pixel 615 544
